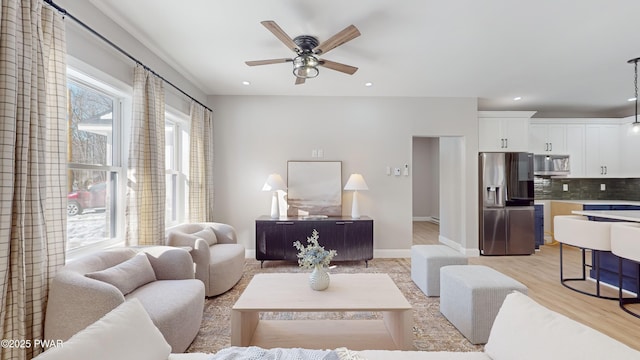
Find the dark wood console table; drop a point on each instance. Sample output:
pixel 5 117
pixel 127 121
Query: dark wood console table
pixel 351 238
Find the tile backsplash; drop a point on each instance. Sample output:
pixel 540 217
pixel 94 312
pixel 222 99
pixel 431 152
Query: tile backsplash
pixel 587 189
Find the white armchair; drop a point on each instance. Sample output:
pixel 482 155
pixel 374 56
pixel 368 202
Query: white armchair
pixel 218 258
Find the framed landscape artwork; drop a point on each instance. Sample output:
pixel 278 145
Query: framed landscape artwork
pixel 314 188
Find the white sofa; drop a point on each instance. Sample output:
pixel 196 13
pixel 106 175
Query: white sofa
pixel 159 277
pixel 523 330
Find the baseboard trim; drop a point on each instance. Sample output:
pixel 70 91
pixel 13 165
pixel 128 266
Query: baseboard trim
pixel 391 253
pixel 457 247
pixel 427 218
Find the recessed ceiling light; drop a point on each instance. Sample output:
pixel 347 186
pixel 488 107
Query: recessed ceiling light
pixel 517 98
pixel 631 99
pixel 246 83
pixel 368 84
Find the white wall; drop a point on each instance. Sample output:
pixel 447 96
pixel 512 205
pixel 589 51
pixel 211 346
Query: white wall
pixel 255 136
pixel 426 178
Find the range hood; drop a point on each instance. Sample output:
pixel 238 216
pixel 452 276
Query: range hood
pixel 551 165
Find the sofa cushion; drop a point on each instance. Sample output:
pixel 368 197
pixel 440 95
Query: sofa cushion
pixel 175 307
pixel 208 235
pixel 124 333
pixel 524 329
pixel 128 275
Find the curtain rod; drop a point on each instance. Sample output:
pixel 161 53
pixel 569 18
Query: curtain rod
pixel 65 13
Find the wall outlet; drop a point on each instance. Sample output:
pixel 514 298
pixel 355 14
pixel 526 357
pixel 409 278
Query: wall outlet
pixel 314 153
pixel 320 153
pixel 603 187
pixel 565 187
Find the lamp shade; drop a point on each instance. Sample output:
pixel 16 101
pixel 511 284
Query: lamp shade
pixel 274 183
pixel 356 182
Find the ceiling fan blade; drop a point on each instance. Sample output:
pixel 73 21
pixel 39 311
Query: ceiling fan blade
pixel 347 34
pixel 299 80
pixel 281 35
pixel 266 62
pixel 347 69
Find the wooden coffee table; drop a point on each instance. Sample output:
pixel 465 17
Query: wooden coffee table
pixel 290 292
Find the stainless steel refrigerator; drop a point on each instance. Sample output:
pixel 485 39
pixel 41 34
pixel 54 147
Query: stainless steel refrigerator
pixel 506 204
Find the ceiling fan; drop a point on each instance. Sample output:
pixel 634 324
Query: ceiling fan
pixel 307 49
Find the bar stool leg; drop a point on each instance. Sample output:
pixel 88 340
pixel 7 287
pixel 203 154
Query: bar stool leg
pixel 622 301
pixel 597 260
pixel 595 265
pixel 561 272
pixel 584 265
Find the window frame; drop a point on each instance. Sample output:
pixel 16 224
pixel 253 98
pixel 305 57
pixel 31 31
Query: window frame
pixel 181 123
pixel 93 79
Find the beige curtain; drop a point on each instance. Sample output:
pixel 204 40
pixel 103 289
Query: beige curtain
pixel 32 167
pixel 201 164
pixel 146 187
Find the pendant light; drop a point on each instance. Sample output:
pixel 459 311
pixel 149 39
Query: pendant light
pixel 635 125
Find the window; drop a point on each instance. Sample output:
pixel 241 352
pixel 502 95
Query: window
pixel 176 165
pixel 99 123
pixel 93 172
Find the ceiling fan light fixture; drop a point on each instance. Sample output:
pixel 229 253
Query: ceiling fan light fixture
pixel 305 66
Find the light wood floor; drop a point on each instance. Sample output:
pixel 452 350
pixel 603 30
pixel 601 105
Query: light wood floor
pixel 540 273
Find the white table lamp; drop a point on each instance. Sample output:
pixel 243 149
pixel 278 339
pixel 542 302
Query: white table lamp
pixel 356 182
pixel 274 183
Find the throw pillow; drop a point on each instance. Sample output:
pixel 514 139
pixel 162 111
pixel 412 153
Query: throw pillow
pixel 128 275
pixel 208 235
pixel 125 333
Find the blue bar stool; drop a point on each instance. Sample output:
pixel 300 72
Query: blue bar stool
pixel 579 232
pixel 625 243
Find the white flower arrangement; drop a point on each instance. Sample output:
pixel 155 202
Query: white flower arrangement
pixel 313 254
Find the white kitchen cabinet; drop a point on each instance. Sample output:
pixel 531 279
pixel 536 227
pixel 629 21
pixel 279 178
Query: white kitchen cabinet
pixel 504 130
pixel 575 148
pixel 548 138
pixel 602 150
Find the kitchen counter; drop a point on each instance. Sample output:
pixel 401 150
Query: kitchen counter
pixel 600 202
pixel 624 215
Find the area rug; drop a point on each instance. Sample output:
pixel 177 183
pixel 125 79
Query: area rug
pixel 431 331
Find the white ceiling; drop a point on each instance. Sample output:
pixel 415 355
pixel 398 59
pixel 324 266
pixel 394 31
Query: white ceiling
pixel 563 57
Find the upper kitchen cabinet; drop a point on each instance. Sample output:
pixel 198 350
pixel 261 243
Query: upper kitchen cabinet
pixel 576 148
pixel 602 150
pixel 548 138
pixel 504 131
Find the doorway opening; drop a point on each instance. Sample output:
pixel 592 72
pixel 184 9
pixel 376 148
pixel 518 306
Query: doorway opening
pixel 426 190
pixel 439 189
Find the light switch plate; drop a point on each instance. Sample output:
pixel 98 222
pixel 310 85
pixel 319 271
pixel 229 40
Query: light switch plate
pixel 603 187
pixel 565 187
